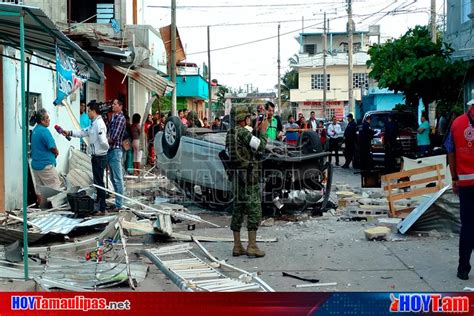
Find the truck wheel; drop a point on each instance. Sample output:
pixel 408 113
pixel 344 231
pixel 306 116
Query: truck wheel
pixel 171 136
pixel 310 142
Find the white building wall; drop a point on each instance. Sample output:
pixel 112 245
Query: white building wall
pixel 42 81
pixel 138 98
pixel 56 10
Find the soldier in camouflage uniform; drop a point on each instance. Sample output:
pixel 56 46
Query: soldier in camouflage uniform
pixel 243 149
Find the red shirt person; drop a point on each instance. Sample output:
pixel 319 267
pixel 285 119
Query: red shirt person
pixel 460 147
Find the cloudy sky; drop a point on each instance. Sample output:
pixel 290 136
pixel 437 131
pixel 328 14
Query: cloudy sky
pixel 244 43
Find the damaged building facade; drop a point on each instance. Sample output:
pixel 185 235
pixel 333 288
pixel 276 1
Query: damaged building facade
pixel 133 59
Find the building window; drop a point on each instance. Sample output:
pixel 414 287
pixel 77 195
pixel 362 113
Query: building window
pixel 13 1
pixel 317 82
pixel 465 10
pixel 360 80
pixel 330 113
pixel 92 11
pixel 310 49
pixel 357 47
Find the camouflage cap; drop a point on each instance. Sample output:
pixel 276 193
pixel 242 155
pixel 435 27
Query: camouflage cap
pixel 240 112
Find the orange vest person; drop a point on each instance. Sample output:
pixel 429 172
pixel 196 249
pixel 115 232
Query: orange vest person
pixel 460 146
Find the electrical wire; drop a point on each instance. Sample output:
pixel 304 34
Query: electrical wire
pixel 285 5
pixel 391 12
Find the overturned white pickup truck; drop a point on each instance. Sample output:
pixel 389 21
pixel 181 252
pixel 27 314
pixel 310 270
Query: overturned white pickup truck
pixel 294 177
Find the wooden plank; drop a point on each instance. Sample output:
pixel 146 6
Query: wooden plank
pixel 406 210
pixel 408 173
pixel 437 178
pixel 413 193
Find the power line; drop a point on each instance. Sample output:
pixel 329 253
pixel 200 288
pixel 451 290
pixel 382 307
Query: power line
pixel 247 23
pixel 251 42
pixel 392 12
pixel 244 5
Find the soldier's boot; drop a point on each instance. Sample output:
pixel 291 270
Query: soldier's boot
pixel 252 248
pixel 238 249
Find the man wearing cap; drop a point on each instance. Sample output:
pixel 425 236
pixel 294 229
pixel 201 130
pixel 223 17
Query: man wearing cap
pixel 244 149
pixel 350 135
pixel 460 147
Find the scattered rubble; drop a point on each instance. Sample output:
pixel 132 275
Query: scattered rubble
pixel 377 233
pixel 269 222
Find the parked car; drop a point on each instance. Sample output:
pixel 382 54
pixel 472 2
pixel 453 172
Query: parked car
pixel 298 177
pixel 406 138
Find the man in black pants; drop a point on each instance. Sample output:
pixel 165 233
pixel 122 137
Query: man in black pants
pixel 98 147
pixel 366 135
pixel 334 134
pixel 350 135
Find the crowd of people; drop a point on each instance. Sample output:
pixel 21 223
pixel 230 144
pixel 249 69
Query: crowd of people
pixel 113 143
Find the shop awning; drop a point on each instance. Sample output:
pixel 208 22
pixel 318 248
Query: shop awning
pixel 41 37
pixel 149 79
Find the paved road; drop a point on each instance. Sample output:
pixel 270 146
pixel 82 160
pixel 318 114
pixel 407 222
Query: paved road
pixel 336 251
pixel 329 250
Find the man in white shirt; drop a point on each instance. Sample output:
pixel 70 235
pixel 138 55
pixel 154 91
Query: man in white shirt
pixel 98 147
pixel 312 122
pixel 334 134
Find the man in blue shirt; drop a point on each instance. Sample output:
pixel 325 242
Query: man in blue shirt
pixel 44 153
pixel 423 135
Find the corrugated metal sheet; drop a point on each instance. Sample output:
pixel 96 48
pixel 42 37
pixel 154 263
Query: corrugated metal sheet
pixel 415 215
pixel 149 79
pixel 9 235
pixel 63 225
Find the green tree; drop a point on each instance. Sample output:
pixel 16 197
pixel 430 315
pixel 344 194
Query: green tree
pixel 418 68
pixel 289 80
pixel 221 91
pixel 161 104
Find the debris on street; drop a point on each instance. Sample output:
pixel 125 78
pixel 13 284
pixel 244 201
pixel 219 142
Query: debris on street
pixel 191 273
pixel 377 233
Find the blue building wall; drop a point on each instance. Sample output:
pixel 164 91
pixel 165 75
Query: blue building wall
pixel 382 100
pixel 192 86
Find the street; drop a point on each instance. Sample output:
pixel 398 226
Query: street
pixel 324 248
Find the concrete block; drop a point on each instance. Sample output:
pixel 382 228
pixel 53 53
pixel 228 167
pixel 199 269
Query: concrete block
pixel 378 233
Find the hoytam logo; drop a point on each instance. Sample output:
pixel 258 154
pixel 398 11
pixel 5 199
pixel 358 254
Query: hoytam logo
pixel 435 303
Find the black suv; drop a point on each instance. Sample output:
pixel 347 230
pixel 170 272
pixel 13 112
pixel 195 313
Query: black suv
pixel 406 138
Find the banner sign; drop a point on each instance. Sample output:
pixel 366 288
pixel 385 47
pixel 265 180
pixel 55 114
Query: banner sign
pixel 230 304
pixel 69 77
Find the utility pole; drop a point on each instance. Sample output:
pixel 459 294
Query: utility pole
pixel 279 79
pixel 209 110
pixel 433 21
pixel 444 17
pixel 432 107
pixel 174 110
pixel 135 12
pixel 325 82
pixel 349 53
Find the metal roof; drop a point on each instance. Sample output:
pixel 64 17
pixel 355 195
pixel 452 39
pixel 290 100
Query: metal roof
pixel 41 37
pixel 63 225
pixel 148 78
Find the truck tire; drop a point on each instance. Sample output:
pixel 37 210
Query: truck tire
pixel 310 142
pixel 171 136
